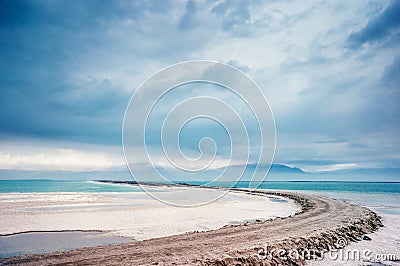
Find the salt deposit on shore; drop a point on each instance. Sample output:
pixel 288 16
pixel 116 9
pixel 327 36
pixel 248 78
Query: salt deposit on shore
pixel 133 214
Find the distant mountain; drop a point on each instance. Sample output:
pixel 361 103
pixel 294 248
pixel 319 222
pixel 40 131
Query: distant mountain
pixel 285 168
pixel 123 173
pixel 278 172
pixel 275 168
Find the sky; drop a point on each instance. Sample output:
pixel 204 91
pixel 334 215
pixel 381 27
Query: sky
pixel 329 70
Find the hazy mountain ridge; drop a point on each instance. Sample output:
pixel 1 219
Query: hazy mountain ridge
pixel 277 172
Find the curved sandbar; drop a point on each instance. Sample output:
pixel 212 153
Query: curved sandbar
pixel 323 223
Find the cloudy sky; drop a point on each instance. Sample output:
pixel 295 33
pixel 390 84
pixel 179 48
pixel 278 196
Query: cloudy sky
pixel 329 69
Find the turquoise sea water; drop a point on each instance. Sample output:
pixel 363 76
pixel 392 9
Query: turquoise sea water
pixel 381 187
pixel 27 186
pixel 385 196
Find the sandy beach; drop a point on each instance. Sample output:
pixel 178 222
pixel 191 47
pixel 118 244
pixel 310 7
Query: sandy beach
pixel 319 223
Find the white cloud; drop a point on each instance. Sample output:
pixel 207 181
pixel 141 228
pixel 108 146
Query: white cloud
pixel 331 167
pixel 47 156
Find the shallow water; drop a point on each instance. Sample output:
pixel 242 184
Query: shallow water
pixel 42 242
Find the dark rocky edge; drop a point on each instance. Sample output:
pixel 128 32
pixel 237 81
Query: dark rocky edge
pixel 296 251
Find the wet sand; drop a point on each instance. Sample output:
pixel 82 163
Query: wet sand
pixel 322 223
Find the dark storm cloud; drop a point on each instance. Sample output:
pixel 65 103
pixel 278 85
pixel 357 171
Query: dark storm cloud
pixel 50 51
pixel 385 25
pixel 188 20
pixel 391 75
pixel 235 16
pixel 40 44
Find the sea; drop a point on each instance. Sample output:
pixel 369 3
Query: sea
pixel 380 194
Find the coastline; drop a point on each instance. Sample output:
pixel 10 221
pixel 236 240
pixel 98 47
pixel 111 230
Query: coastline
pixel 53 231
pixel 320 224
